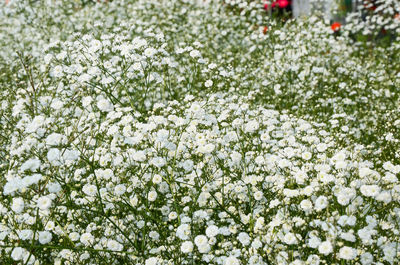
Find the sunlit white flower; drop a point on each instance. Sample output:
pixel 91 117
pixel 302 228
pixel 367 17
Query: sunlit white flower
pixel 44 203
pixel 370 190
pixel 18 253
pixel 244 238
pixel 31 164
pixel 231 261
pixel 200 240
pixel 290 239
pixel 152 261
pixel 208 83
pixel 105 105
pixel 152 196
pixel 194 53
pixel 87 239
pixel 25 234
pixel 321 203
pixel 45 237
pixel 183 231
pixel 212 231
pixel 366 258
pixel 187 247
pixel 149 52
pixel 306 205
pixel 89 189
pixel 325 248
pixel 114 245
pixel 314 242
pixel 17 205
pixel 347 253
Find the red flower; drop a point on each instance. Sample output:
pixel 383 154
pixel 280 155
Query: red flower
pixel 336 26
pixel 265 30
pixel 283 3
pixel 266 6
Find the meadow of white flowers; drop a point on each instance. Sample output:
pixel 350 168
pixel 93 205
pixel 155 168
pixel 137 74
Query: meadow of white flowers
pixel 197 132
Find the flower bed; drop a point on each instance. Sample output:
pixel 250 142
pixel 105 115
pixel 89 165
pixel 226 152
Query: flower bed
pixel 177 133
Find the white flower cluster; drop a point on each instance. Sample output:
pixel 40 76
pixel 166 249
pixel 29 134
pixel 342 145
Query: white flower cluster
pixel 231 183
pixel 178 132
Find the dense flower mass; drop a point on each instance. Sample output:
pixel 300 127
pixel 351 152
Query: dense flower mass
pixel 184 132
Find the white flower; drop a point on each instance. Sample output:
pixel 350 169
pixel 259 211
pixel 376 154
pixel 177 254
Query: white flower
pixel 236 157
pixel 188 165
pixel 86 101
pixel 244 238
pixel 194 53
pixel 321 147
pixel 389 251
pixel 208 83
pixel 17 205
pixel 204 248
pixel 58 71
pixel 55 139
pixel 105 105
pixel 314 242
pixel 151 261
pixel 49 226
pixel 44 203
pixel 364 171
pixel 384 196
pixel 348 236
pixel 313 260
pixel 89 189
pixel 54 187
pixel 31 164
pixel 231 261
pixel 18 253
pixel 25 234
pixel 139 156
pixel 54 156
pixel 183 231
pixel 87 239
pixel 187 247
pixel 172 216
pixel 370 190
pixel 264 137
pixel 74 236
pixel 366 234
pixel 258 195
pixel 149 52
pixel 325 248
pixel 212 66
pixel 119 189
pixel 251 126
pixel 306 205
pixel 200 240
pixel 158 162
pixel 321 203
pixel 71 155
pixel 290 239
pixel 45 237
pixel 345 195
pixel 366 258
pixel 206 149
pixel 212 231
pixel 95 45
pixel 114 245
pixel 347 253
pixel 157 179
pixel 152 196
